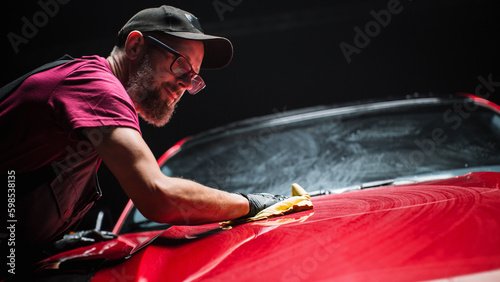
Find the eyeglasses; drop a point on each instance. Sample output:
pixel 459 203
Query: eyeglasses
pixel 181 68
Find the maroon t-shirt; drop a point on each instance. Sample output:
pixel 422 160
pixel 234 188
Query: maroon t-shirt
pixel 41 119
pixel 43 142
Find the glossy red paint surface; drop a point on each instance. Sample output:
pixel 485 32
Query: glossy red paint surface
pixel 481 101
pixel 117 249
pixel 121 220
pixel 173 150
pixel 422 231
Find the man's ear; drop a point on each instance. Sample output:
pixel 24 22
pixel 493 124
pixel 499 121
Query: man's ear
pixel 134 45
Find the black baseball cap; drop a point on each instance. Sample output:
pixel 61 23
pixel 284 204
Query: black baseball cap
pixel 182 24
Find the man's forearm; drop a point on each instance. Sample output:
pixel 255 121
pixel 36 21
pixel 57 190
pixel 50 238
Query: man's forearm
pixel 158 197
pixel 180 201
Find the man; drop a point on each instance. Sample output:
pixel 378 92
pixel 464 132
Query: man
pixel 63 120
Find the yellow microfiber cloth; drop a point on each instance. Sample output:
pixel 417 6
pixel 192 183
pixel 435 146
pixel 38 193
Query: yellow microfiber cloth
pixel 299 201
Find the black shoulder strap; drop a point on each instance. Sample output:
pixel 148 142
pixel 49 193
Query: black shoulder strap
pixel 9 88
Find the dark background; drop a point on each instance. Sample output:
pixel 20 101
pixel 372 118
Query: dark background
pixel 287 55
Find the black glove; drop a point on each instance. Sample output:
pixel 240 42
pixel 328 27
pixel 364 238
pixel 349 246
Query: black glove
pixel 261 201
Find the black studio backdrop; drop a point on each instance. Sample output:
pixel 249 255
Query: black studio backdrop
pixel 288 55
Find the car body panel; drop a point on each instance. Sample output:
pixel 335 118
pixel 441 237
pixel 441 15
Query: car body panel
pixel 418 227
pixel 425 231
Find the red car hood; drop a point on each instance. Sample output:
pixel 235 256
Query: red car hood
pixel 421 231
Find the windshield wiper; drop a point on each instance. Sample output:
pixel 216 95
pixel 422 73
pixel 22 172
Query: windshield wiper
pixel 397 181
pixel 365 185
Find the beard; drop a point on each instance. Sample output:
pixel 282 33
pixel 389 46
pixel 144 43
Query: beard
pixel 147 98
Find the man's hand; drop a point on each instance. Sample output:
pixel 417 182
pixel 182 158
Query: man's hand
pixel 261 201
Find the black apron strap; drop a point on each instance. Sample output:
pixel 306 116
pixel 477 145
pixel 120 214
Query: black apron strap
pixel 9 88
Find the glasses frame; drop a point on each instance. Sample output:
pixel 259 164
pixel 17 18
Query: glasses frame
pixel 178 55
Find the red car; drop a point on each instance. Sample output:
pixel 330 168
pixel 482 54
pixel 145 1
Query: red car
pixel 403 190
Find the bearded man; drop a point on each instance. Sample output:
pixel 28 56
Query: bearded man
pixel 63 119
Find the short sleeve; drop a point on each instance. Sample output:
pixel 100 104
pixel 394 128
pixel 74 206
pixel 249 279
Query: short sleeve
pixel 91 96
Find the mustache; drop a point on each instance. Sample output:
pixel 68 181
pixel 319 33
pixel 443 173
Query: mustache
pixel 174 88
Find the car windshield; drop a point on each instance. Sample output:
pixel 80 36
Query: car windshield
pixel 331 152
pixel 330 149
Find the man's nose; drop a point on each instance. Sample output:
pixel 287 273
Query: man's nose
pixel 186 81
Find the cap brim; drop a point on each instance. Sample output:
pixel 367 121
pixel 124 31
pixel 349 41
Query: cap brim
pixel 218 50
